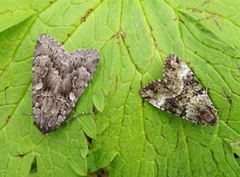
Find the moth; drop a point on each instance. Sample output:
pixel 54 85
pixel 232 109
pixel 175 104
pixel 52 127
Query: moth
pixel 180 93
pixel 59 79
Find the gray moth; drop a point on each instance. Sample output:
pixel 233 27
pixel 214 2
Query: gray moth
pixel 180 93
pixel 59 79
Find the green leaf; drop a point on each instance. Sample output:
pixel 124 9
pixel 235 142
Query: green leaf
pixel 13 13
pixel 131 137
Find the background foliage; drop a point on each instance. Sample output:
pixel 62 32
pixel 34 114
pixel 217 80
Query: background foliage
pixel 130 137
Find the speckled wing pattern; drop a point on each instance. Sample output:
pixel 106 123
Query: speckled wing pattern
pixel 59 79
pixel 181 94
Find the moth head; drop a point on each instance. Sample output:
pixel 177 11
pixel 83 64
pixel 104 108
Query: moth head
pixel 201 110
pixel 207 113
pixel 208 116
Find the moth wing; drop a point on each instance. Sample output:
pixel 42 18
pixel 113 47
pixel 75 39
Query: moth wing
pixel 84 64
pixel 175 72
pixel 156 93
pixel 47 46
